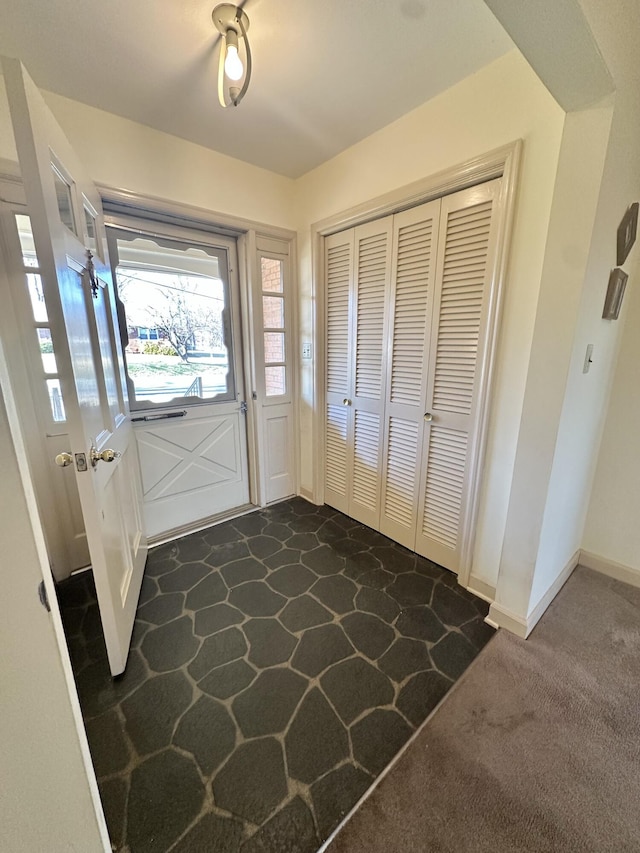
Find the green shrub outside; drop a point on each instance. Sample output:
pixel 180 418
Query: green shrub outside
pixel 153 348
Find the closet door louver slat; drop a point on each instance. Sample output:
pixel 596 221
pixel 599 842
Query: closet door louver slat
pixel 415 239
pixel 336 446
pixel 339 254
pixel 372 278
pixel 372 266
pixel 366 460
pixel 339 260
pixel 465 269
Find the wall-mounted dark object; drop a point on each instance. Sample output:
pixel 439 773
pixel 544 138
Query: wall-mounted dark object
pixel 615 292
pixel 627 233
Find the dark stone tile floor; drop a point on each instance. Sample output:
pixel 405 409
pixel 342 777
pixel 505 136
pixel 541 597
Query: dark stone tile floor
pixel 279 662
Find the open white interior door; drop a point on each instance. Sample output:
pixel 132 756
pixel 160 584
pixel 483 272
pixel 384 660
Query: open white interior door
pixel 70 242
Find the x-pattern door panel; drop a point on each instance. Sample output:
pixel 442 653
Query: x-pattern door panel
pixel 193 469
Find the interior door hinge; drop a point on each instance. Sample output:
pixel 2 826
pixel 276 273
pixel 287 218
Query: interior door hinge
pixel 243 407
pixel 44 598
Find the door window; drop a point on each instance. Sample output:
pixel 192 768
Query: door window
pixel 177 313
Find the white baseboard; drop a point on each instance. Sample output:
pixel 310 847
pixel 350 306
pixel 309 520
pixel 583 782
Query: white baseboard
pixel 307 494
pixel 482 589
pixel 610 568
pixel 500 617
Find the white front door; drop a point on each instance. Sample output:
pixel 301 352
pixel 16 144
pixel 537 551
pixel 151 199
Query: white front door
pixel 68 229
pixel 180 320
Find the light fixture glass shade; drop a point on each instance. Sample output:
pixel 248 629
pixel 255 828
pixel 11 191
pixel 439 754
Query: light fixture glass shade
pixel 233 67
pixel 232 23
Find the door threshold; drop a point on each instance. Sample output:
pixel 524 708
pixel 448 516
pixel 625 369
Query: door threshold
pixel 202 524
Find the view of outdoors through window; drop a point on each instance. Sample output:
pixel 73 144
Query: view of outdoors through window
pixel 176 320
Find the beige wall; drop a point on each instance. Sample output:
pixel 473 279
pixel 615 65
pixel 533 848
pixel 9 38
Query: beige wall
pixel 501 103
pixel 123 154
pixel 564 409
pixel 550 370
pixel 612 528
pixel 615 504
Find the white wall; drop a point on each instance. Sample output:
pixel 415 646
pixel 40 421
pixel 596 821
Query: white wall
pixel 612 529
pixel 48 788
pixel 123 154
pixel 566 259
pixel 552 486
pixel 502 102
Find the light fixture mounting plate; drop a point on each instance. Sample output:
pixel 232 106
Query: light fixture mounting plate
pixel 225 17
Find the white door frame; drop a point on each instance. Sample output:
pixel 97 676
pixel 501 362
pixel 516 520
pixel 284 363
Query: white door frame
pixel 502 163
pixel 153 211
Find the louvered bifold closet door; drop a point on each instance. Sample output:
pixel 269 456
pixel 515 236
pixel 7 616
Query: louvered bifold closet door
pixel 339 255
pixel 415 242
pixel 465 270
pixel 372 271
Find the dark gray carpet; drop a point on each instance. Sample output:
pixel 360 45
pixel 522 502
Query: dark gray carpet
pixel 537 748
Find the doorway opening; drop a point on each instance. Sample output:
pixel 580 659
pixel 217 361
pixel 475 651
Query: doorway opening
pixel 179 315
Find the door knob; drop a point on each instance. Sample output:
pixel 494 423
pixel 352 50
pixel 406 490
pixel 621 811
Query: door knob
pixel 428 417
pixel 103 456
pixel 63 459
pixel 346 402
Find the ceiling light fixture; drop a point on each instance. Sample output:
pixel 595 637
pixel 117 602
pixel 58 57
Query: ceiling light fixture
pixel 233 23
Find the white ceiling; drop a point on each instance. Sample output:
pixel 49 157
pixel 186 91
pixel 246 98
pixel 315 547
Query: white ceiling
pixel 327 73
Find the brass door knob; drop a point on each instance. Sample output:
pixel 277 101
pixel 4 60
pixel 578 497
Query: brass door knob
pixel 428 417
pixel 103 456
pixel 63 459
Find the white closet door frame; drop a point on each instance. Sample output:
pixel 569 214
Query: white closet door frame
pixel 501 162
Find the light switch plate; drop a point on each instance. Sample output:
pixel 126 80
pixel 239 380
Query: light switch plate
pixel 588 360
pixel 306 349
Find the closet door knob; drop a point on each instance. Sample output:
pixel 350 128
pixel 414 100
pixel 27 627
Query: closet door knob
pixel 428 417
pixel 346 402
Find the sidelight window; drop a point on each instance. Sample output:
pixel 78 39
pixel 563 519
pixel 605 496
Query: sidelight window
pixel 273 320
pixel 44 340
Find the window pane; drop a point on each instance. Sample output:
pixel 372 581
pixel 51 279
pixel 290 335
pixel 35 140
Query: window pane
pixel 55 398
pixel 46 350
pixel 275 381
pixel 273 312
pixel 63 197
pixel 25 234
pixel 177 314
pixel 271 273
pixel 34 283
pixel 90 222
pixel 273 347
